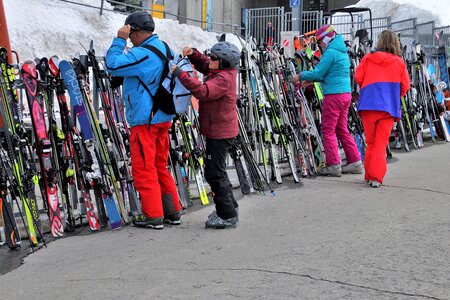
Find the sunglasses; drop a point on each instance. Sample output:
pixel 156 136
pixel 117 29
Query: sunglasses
pixel 134 27
pixel 213 57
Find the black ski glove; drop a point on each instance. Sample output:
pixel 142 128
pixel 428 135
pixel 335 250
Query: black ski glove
pixel 177 71
pixel 116 81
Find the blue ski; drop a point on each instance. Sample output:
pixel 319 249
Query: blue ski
pixel 71 81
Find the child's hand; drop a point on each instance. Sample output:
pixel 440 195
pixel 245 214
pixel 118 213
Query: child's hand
pixel 187 51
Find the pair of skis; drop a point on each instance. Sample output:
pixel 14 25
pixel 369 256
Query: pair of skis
pixel 17 156
pixel 99 174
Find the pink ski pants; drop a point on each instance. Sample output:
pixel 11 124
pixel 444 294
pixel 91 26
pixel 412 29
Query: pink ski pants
pixel 334 126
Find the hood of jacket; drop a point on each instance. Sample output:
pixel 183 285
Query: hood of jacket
pixel 337 44
pixel 382 58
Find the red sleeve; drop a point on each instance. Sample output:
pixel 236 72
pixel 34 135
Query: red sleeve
pixel 405 83
pixel 200 62
pixel 212 89
pixel 360 71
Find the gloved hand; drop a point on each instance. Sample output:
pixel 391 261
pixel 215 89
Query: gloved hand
pixel 296 78
pixel 116 81
pixel 176 70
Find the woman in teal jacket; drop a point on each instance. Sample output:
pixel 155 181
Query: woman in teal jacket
pixel 333 73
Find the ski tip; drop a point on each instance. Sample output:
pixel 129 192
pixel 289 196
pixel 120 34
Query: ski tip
pixel 116 225
pixel 221 38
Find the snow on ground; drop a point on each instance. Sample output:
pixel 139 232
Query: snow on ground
pixel 40 28
pixel 47 27
pixel 424 11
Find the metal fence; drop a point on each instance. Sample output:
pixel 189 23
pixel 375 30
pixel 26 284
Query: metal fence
pixel 258 18
pixel 311 20
pixel 257 21
pixel 219 27
pixel 345 24
pixel 407 32
pixel 410 32
pixel 378 26
pixel 423 35
pixel 265 23
pixel 408 29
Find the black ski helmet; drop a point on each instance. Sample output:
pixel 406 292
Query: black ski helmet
pixel 141 20
pixel 226 51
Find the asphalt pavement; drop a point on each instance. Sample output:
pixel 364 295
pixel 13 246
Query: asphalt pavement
pixel 326 238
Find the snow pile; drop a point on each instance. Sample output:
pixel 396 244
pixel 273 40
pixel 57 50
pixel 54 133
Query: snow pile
pixel 51 27
pixel 431 10
pixel 40 28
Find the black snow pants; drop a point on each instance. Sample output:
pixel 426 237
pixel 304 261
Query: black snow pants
pixel 217 177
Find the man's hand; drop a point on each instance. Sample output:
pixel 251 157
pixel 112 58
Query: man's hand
pixel 187 51
pixel 124 32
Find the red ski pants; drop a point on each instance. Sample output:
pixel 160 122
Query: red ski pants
pixel 377 129
pixel 149 154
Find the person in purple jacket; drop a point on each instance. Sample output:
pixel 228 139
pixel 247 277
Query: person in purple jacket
pixel 218 121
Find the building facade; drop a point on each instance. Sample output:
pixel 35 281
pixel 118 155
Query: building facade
pixel 218 15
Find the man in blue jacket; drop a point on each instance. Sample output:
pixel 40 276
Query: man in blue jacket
pixel 149 140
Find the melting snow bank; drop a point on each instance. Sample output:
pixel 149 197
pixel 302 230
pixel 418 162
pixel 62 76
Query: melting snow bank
pixel 51 27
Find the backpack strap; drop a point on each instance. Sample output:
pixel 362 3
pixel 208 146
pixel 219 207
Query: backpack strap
pixel 165 58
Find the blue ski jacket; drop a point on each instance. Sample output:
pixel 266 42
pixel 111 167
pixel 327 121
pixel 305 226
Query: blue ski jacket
pixel 143 63
pixel 333 70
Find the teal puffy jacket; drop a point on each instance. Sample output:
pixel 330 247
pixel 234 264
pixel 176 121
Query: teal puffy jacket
pixel 143 63
pixel 333 70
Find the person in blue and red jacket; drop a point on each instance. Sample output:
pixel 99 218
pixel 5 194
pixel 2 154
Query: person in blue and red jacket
pixel 218 121
pixel 149 140
pixel 383 78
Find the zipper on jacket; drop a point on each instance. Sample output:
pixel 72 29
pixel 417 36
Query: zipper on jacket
pixel 129 102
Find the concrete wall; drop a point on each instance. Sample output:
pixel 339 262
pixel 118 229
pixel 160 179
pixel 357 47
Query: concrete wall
pixel 191 9
pixel 171 8
pixel 194 11
pixel 226 11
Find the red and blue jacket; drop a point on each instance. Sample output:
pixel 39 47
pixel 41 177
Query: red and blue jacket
pixel 383 79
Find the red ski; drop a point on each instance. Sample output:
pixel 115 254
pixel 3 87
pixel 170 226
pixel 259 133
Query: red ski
pixel 49 186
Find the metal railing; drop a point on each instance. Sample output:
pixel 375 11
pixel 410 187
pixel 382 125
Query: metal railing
pixel 344 25
pixel 215 26
pixel 311 20
pixel 265 24
pixel 378 26
pixel 257 25
pixel 423 35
